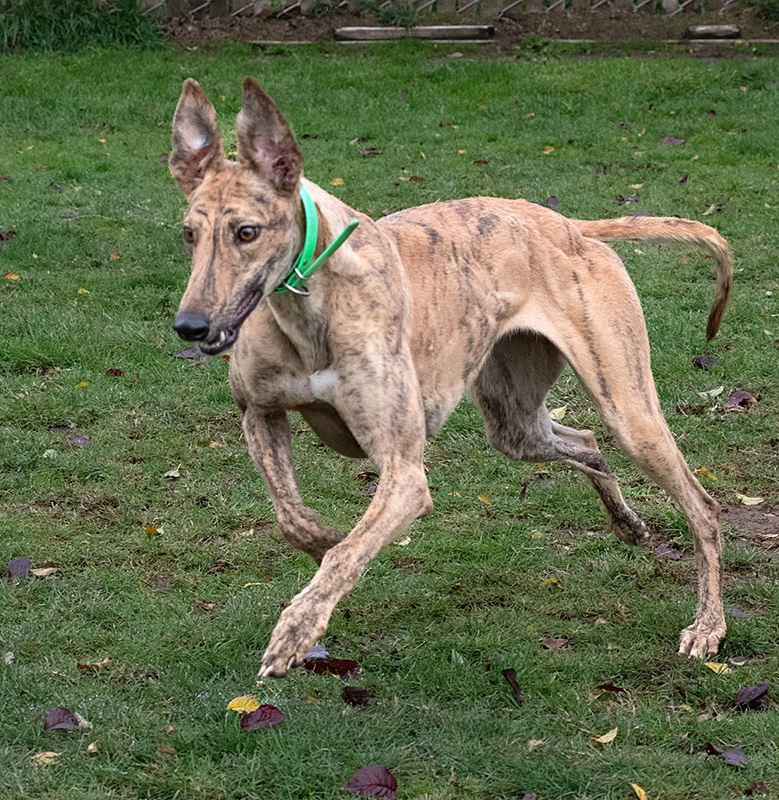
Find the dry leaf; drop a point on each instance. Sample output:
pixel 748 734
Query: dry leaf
pixel 747 501
pixel 548 149
pixel 705 472
pixel 607 737
pixel 558 413
pixel 642 795
pixel 550 643
pixel 720 669
pixel 92 749
pixel 151 530
pixel 533 743
pixel 484 499
pixel 337 182
pixel 45 757
pixel 244 704
pixel 11 276
pixel 44 572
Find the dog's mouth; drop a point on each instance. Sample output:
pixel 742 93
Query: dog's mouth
pixel 224 338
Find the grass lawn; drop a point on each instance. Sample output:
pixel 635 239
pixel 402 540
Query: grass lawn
pixel 179 578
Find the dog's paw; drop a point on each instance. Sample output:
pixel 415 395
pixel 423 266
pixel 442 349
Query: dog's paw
pixel 700 641
pixel 294 635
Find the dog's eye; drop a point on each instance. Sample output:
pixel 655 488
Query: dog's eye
pixel 248 233
pixel 189 235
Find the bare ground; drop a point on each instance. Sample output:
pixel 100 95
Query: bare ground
pixel 603 26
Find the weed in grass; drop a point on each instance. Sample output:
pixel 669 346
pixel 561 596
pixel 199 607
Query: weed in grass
pixel 436 620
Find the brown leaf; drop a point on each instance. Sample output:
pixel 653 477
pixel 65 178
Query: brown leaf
pixel 60 719
pixel 266 716
pixel 751 696
pixel 510 675
pixel 93 666
pixel 205 606
pixel 356 696
pixel 373 781
pixel 335 666
pixel 166 751
pixel 550 643
pixel 19 567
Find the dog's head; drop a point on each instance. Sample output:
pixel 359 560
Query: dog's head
pixel 243 223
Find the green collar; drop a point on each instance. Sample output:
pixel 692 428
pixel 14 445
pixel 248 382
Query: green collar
pixel 305 264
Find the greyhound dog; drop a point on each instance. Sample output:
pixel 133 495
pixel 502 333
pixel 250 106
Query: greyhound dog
pixel 487 296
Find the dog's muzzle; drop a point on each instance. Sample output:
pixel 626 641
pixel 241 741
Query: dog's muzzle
pixel 194 326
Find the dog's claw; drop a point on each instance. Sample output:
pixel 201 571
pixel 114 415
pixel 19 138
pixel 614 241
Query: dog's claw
pixel 698 641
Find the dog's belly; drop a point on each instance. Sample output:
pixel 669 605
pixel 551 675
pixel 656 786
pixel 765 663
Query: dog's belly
pixel 327 424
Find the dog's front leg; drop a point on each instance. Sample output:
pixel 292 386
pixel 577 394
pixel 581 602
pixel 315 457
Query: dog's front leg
pixel 269 440
pixel 392 433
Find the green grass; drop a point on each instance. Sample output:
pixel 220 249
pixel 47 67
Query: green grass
pixel 434 622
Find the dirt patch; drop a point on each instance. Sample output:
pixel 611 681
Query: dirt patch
pixel 608 26
pixel 760 523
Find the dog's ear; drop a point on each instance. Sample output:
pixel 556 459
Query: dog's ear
pixel 265 141
pixel 197 147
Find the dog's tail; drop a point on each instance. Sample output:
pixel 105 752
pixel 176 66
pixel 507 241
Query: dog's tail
pixel 672 229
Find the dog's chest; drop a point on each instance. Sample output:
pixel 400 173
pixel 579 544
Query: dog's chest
pixel 324 384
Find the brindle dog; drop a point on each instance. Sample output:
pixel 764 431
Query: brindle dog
pixel 488 296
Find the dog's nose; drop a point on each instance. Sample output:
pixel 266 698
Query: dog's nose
pixel 191 325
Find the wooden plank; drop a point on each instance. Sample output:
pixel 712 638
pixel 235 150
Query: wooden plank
pixel 418 32
pixel 713 32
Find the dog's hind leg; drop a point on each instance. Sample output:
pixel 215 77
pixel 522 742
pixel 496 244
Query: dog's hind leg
pixel 510 391
pixel 270 445
pixel 604 339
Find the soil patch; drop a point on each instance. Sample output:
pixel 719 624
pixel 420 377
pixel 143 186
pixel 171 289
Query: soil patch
pixel 760 523
pixel 606 26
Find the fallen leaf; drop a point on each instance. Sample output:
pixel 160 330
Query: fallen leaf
pixel 510 675
pixel 671 553
pixel 93 666
pixel 705 472
pixel 484 499
pixel 550 643
pixel 629 198
pixel 173 473
pixel 243 704
pixel 548 149
pixel 610 687
pixel 344 668
pixel 11 276
pixel 92 749
pixel 548 581
pixel 558 413
pixel 44 572
pixel 533 743
pixel 740 399
pixel 151 530
pixel 80 440
pixel 684 179
pixel 370 151
pixel 416 178
pixel 671 141
pixel 750 501
pixel 4 237
pixel 720 669
pixel 166 751
pixel 82 721
pixel 205 606
pixel 751 695
pixel 337 182
pixel 188 352
pixel 734 757
pixel 163 158
pixel 60 719
pixel 356 696
pixel 44 757
pixel 265 716
pixel 704 362
pixel 83 383
pixel 114 373
pixel 373 781
pixel 641 794
pixel 319 651
pixel 552 202
pixel 607 737
pixel 19 567
pixel 736 612
pixel 115 256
